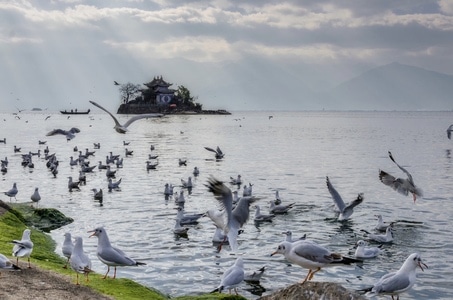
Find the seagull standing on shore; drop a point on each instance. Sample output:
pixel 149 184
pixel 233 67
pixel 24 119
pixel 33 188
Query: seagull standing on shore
pixel 24 247
pixel 67 247
pixel 311 256
pixel 79 261
pixel 122 128
pixel 232 277
pixel 110 255
pixel 12 192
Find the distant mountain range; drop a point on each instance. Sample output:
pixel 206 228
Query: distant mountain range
pixel 393 87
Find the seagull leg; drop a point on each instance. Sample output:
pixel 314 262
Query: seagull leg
pixel 313 273
pixel 29 266
pixel 114 273
pixel 77 283
pixel 66 265
pixel 306 277
pixel 219 247
pixel 108 270
pixel 414 196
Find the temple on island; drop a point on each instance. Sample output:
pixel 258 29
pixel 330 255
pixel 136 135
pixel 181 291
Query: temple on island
pixel 159 97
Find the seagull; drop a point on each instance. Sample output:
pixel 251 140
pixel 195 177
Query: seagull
pixel 401 185
pixel 259 217
pixel 35 197
pixel 279 209
pixel 196 171
pixel 70 134
pixel 187 219
pixel 277 200
pixel 24 247
pixel 67 247
pixel 79 261
pixel 381 238
pixel 232 277
pixel 72 184
pixel 110 255
pixel 255 277
pixel 236 181
pixel 151 166
pixel 114 185
pixel 289 237
pixel 362 251
pixel 179 230
pixel 98 195
pixel 123 128
pixel 395 283
pixel 115 82
pixel 6 264
pixel 12 192
pixel 218 153
pixel 381 225
pixel 449 130
pixel 345 211
pixel 311 256
pixel 236 217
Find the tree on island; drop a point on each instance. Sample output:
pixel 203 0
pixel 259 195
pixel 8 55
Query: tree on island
pixel 129 91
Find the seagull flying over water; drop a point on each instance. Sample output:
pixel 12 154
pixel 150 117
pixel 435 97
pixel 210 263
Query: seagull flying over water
pixel 401 185
pixel 395 283
pixel 70 134
pixel 345 210
pixel 122 128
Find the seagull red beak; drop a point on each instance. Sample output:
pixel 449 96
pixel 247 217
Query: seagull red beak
pixel 93 232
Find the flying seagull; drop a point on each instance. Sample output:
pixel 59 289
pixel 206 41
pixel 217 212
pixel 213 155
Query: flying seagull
pixel 70 134
pixel 115 82
pixel 401 185
pixel 345 210
pixel 123 128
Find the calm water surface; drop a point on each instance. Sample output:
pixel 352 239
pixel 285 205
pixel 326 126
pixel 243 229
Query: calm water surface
pixel 291 152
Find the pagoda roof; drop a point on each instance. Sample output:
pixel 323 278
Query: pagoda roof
pixel 158 81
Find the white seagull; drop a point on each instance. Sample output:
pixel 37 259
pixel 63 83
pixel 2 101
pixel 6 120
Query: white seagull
pixel 280 208
pixel 401 185
pixel 79 261
pixel 259 217
pixel 345 210
pixel 67 247
pixel 123 128
pixel 24 247
pixel 110 255
pixel 236 217
pixel 382 238
pixel 232 277
pixel 311 256
pixel 362 251
pixel 381 225
pixel 400 281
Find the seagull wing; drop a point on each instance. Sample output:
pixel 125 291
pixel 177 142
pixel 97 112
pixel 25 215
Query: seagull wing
pixel 409 176
pixel 114 118
pixel 57 131
pixel 393 182
pixel 356 202
pixel 210 149
pixel 223 195
pixel 335 196
pixel 138 117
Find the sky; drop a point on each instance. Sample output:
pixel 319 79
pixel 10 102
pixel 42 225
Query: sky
pixel 235 55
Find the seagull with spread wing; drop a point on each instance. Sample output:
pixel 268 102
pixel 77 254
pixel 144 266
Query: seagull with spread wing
pixel 345 210
pixel 122 128
pixel 218 153
pixel 401 185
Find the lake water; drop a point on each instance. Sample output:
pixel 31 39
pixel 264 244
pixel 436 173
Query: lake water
pixel 292 152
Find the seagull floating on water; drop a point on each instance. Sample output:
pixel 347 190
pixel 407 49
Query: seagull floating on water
pixel 218 153
pixel 362 251
pixel 232 277
pixel 395 283
pixel 401 185
pixel 449 131
pixel 345 210
pixel 381 238
pixel 259 217
pixel 110 255
pixel 122 128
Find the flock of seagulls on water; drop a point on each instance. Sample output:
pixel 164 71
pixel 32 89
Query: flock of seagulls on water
pixel 232 212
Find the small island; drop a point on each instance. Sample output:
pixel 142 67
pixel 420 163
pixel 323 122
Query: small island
pixel 159 97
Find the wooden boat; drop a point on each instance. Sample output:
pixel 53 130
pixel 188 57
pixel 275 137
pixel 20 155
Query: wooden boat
pixel 75 112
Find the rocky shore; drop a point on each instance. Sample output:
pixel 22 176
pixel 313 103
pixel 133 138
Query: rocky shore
pixel 48 280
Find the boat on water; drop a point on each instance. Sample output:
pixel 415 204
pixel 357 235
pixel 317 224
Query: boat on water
pixel 75 112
